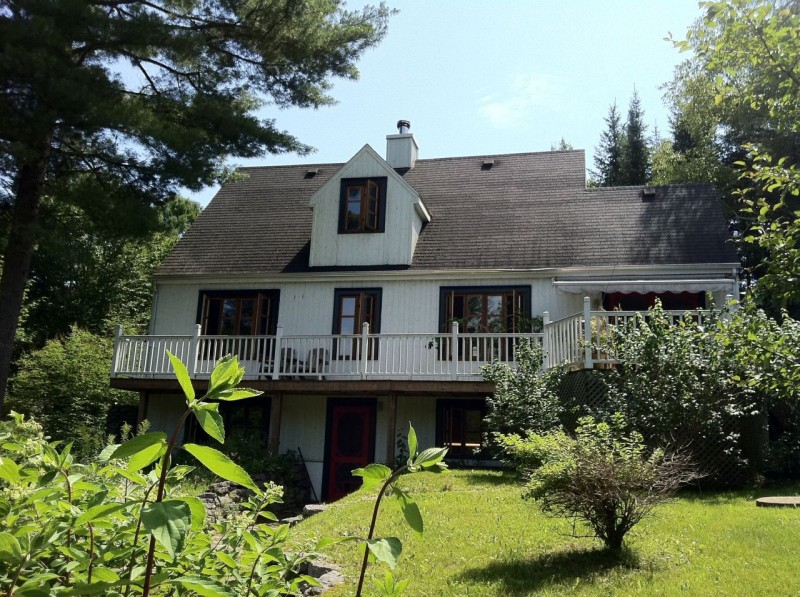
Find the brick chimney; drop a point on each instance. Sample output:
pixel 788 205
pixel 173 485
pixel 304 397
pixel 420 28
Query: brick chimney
pixel 401 149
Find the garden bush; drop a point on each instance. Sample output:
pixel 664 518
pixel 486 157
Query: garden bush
pixel 64 386
pixel 683 386
pixel 115 528
pixel 525 398
pixel 603 476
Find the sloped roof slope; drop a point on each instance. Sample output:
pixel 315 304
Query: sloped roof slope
pixel 528 210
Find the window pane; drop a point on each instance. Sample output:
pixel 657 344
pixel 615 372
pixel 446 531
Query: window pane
pixel 367 308
pixel 347 325
pixel 494 314
pixel 230 308
pixel 348 306
pixel 248 307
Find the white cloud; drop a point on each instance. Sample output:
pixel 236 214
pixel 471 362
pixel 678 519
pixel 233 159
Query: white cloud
pixel 525 94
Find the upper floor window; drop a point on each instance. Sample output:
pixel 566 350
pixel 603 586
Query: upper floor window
pixel 239 313
pixel 362 205
pixel 351 310
pixel 486 309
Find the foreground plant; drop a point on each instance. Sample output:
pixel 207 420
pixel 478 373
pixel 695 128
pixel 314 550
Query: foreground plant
pixel 603 476
pixel 387 549
pixel 110 528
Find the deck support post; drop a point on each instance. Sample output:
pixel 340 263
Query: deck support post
pixel 276 411
pixel 587 333
pixel 391 428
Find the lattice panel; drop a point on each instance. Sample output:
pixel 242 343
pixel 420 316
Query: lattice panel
pixel 584 392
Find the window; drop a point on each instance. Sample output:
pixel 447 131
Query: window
pixel 459 427
pixel 352 308
pixel 362 205
pixel 485 310
pixel 239 313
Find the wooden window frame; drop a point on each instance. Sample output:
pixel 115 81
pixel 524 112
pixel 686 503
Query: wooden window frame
pixel 465 404
pixel 372 205
pixel 520 297
pixel 374 319
pixel 259 296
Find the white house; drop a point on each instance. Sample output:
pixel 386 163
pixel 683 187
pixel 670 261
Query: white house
pixel 364 295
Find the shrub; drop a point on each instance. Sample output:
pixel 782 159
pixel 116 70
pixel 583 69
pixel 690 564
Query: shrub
pixel 64 386
pixel 112 528
pixel 602 476
pixel 525 398
pixel 681 385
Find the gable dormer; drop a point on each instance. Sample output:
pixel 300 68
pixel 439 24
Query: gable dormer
pixel 365 215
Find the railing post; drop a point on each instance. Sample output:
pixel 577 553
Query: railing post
pixel 454 350
pixel 277 357
pixel 546 340
pixel 587 333
pixel 364 349
pixel 194 351
pixel 117 345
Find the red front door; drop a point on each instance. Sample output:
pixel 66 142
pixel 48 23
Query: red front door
pixel 351 437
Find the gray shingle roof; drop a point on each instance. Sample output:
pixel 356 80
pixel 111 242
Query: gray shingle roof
pixel 528 210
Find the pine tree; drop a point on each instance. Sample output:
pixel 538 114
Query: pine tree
pixel 608 155
pixel 148 97
pixel 635 153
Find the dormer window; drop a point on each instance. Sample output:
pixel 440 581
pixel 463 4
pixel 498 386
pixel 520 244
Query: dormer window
pixel 362 205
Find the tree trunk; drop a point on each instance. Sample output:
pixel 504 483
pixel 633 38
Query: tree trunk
pixel 17 258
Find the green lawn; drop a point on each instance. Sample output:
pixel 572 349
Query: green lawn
pixel 481 538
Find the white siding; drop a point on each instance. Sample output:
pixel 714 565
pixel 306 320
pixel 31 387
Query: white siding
pixel 164 411
pixel 394 246
pixel 307 307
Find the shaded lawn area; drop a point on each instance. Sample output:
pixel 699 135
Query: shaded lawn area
pixel 481 538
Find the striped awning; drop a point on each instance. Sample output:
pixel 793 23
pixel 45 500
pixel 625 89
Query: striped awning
pixel 645 285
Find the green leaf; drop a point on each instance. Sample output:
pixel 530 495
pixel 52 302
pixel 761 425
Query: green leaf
pixel 210 420
pixel 238 394
pixel 410 511
pixel 168 522
pixel 198 510
pixel 96 512
pixel 10 549
pixel 430 457
pixel 203 586
pixel 9 471
pixel 372 474
pixel 147 456
pixel 223 374
pixel 227 560
pixel 221 465
pixel 412 442
pixel 386 550
pixel 183 376
pixel 138 443
pixel 105 455
pixel 101 574
pixel 132 477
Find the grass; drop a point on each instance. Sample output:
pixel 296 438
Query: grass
pixel 481 538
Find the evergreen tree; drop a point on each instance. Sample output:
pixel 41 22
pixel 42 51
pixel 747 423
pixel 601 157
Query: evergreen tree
pixel 148 97
pixel 635 153
pixel 608 155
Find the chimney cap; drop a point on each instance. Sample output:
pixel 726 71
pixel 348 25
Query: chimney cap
pixel 403 126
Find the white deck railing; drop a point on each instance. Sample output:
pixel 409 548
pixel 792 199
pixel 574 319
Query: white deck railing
pixel 282 356
pixel 585 339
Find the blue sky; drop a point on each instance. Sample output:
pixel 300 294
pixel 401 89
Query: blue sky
pixel 477 78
